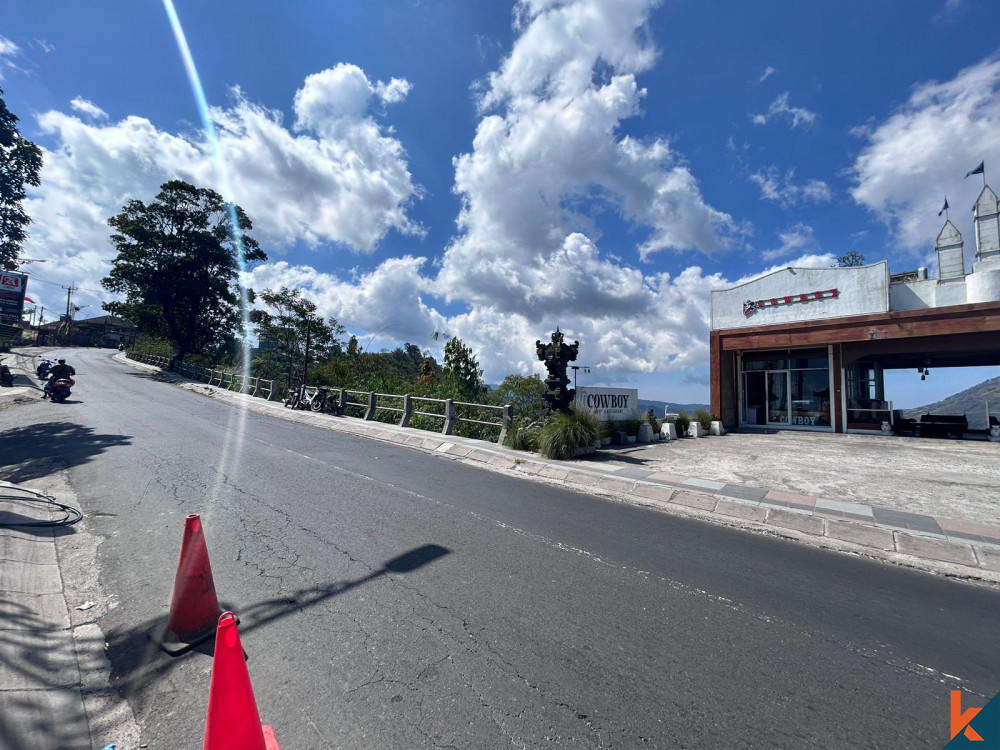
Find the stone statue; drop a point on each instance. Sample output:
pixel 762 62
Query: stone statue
pixel 556 356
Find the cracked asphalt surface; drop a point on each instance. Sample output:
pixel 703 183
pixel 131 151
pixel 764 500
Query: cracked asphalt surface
pixel 391 599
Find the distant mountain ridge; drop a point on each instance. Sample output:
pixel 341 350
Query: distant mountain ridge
pixel 666 407
pixel 971 402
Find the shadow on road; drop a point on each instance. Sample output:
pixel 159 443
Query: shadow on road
pixel 32 452
pixel 137 662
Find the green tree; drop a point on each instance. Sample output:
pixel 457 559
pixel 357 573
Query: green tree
pixel 523 394
pixel 284 329
pixel 178 264
pixel 20 165
pixel 462 370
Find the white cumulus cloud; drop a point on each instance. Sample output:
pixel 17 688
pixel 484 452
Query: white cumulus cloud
pixel 920 153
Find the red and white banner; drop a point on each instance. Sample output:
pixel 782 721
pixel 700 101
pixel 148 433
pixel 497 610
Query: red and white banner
pixel 750 307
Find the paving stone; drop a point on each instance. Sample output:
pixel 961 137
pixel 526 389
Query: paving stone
pixel 46 719
pixel 430 444
pixel 21 549
pixel 458 450
pixel 839 507
pixel 860 533
pixel 803 522
pixel 792 498
pixel 694 500
pixel 670 478
pixel 653 491
pixel 989 557
pixel 905 520
pixel 935 549
pixel 616 485
pixel 741 510
pixel 28 611
pixel 479 455
pixel 744 493
pixel 706 483
pixel 37 660
pixel 31 579
pixel 553 472
pixel 584 478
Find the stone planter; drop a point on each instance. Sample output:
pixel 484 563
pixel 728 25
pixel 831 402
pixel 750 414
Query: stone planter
pixel 668 431
pixel 606 440
pixel 695 430
pixel 645 433
pixel 717 428
pixel 629 439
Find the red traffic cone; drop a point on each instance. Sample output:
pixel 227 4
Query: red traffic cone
pixel 194 607
pixel 232 722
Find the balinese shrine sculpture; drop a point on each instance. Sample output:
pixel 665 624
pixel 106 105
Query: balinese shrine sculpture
pixel 556 355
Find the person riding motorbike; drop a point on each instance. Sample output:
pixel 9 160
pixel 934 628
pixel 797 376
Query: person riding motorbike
pixel 60 371
pixel 43 369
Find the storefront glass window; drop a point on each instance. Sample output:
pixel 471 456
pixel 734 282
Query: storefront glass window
pixel 788 387
pixel 810 397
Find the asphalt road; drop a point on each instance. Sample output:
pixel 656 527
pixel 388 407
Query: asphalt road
pixel 523 616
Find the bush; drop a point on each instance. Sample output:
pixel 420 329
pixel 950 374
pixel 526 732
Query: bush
pixel 653 421
pixel 705 418
pixel 682 422
pixel 522 436
pixel 631 423
pixel 565 432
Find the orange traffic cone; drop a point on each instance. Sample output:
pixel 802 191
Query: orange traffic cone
pixel 194 607
pixel 232 722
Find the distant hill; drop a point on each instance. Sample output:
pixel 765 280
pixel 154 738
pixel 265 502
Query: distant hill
pixel 663 407
pixel 971 402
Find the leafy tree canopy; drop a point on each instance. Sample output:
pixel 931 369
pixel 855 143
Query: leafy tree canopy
pixel 523 394
pixel 20 165
pixel 178 264
pixel 285 327
pixel 462 369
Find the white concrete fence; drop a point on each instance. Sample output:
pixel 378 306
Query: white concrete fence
pixel 450 411
pixel 228 380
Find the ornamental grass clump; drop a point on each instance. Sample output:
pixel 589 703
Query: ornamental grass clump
pixel 704 418
pixel 523 436
pixel 563 433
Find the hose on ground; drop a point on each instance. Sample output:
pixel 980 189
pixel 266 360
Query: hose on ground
pixel 17 494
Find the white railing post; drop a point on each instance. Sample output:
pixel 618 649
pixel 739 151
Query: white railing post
pixel 450 416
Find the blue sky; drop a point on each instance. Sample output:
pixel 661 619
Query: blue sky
pixel 493 170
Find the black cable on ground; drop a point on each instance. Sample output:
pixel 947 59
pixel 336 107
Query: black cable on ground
pixel 72 515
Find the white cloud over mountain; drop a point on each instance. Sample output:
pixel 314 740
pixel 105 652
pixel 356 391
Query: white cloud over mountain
pixel 917 156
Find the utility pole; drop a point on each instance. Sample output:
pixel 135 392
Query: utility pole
pixel 69 291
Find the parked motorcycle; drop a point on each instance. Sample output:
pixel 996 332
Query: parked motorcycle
pixel 6 376
pixel 59 390
pixel 42 371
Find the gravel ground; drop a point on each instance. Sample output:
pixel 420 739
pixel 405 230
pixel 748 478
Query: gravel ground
pixel 952 478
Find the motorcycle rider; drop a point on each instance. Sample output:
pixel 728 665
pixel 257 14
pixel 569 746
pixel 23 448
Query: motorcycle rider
pixel 60 371
pixel 43 369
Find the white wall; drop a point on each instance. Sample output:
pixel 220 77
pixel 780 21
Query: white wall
pixel 862 290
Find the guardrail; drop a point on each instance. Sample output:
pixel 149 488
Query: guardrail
pixel 231 381
pixel 372 402
pixel 451 411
